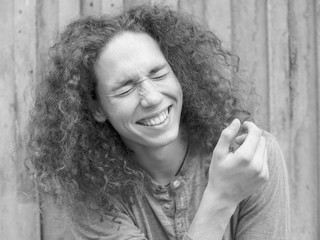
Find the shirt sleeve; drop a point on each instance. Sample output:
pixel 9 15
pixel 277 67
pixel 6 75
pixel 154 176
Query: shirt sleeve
pixel 91 226
pixel 265 215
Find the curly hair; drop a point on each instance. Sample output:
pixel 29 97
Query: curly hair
pixel 79 160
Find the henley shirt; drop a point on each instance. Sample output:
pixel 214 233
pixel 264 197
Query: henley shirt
pixel 166 212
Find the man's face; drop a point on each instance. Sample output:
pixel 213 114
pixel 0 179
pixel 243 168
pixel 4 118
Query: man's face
pixel 138 92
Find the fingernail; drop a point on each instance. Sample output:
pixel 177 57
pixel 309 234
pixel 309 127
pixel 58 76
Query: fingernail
pixel 234 122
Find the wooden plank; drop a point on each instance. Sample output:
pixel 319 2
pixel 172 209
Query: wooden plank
pixel 127 4
pixel 278 79
pixel 278 73
pixel 250 44
pixel 304 119
pixel 27 204
pixel 317 29
pixel 195 8
pixel 173 4
pixel 8 172
pixel 68 11
pixel 112 7
pixel 217 15
pixel 47 31
pixel 91 7
pixel 54 226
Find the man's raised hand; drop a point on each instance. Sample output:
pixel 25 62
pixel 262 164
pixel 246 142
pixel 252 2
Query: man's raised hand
pixel 234 176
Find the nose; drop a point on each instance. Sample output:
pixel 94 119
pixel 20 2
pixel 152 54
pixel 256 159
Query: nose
pixel 149 93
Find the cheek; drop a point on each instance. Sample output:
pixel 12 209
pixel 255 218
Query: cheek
pixel 120 113
pixel 178 89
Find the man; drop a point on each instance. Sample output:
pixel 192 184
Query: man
pixel 129 131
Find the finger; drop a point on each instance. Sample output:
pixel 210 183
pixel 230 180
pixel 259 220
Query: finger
pixel 250 144
pixel 240 139
pixel 226 138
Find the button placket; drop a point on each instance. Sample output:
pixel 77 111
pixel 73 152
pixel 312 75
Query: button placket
pixel 181 223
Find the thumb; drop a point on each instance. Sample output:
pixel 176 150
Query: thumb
pixel 226 138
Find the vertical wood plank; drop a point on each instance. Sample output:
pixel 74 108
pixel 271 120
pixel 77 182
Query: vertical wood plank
pixel 47 31
pixel 250 44
pixel 278 73
pixel 8 172
pixel 54 225
pixel 68 11
pixel 317 29
pixel 278 78
pixel 195 8
pixel 217 15
pixel 173 4
pixel 304 120
pixel 292 76
pixel 127 4
pixel 27 204
pixel 90 7
pixel 112 7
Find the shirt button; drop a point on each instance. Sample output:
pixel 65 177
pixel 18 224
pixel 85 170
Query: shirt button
pixel 176 183
pixel 179 224
pixel 166 206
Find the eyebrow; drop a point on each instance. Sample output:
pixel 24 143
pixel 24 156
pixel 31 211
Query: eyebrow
pixel 128 81
pixel 157 68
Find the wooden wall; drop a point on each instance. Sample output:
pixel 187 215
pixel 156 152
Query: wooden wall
pixel 278 42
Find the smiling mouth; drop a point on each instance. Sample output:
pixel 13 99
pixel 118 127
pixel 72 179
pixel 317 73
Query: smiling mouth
pixel 156 120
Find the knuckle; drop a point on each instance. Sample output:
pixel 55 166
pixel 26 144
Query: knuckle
pixel 256 171
pixel 245 157
pixel 254 128
pixel 263 177
pixel 226 133
pixel 217 153
pixel 257 131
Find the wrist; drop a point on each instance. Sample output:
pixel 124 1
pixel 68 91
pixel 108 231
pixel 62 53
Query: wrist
pixel 212 217
pixel 223 202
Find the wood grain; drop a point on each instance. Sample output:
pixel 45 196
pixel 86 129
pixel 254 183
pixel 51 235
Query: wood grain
pixel 68 11
pixel 27 208
pixel 112 7
pixel 8 172
pixel 317 52
pixel 91 7
pixel 278 42
pixel 250 44
pixel 303 95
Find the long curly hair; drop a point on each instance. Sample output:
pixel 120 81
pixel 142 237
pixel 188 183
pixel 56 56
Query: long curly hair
pixel 79 160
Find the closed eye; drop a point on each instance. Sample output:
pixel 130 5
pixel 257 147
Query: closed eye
pixel 125 92
pixel 159 77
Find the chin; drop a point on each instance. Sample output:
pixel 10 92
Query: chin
pixel 163 140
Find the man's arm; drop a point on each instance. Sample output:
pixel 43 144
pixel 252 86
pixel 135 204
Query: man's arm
pixel 233 176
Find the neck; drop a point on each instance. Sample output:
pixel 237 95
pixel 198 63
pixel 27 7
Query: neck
pixel 162 163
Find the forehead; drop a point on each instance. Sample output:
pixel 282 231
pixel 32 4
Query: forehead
pixel 128 55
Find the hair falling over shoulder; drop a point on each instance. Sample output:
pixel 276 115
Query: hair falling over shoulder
pixel 81 161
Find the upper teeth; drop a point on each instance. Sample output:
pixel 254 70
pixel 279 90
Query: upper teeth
pixel 156 120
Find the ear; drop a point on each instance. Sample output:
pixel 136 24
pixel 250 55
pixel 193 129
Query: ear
pixel 96 110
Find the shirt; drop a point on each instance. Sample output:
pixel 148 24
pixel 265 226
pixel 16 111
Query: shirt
pixel 166 212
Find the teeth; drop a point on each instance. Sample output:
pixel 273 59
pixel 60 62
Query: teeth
pixel 157 120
